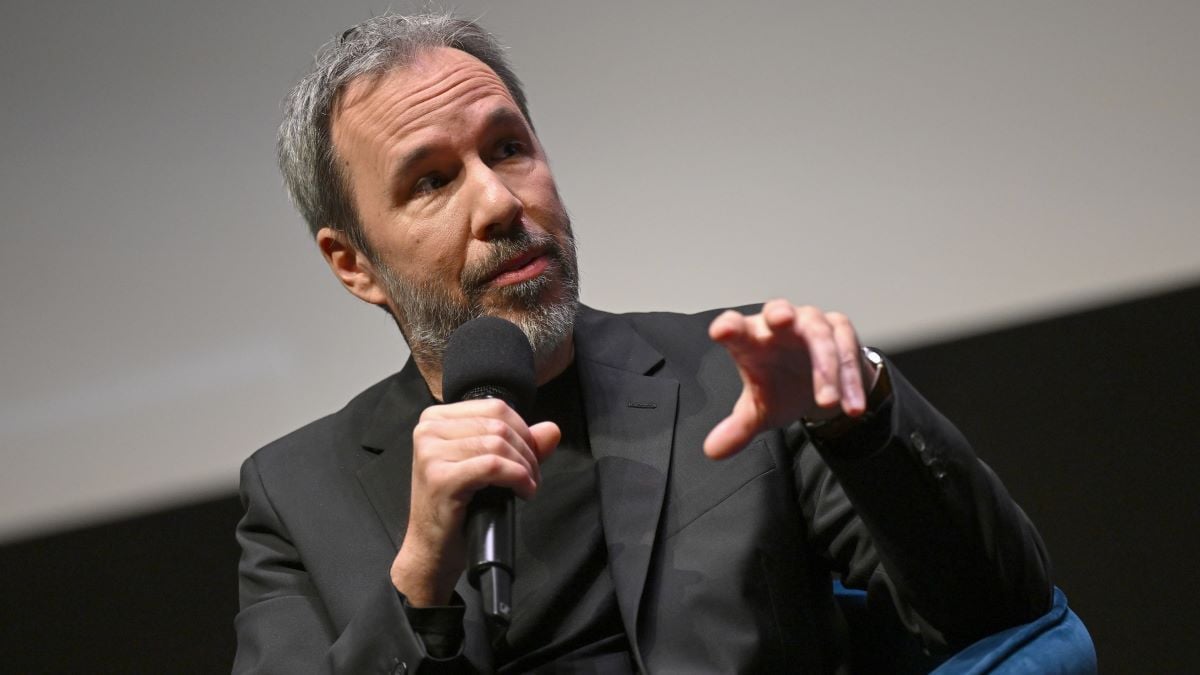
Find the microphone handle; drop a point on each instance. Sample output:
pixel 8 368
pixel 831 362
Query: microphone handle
pixel 491 533
pixel 488 357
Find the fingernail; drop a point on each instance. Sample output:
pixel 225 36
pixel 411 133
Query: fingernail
pixel 828 394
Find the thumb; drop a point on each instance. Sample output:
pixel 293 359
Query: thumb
pixel 735 431
pixel 546 436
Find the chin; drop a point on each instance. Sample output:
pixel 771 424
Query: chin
pixel 547 323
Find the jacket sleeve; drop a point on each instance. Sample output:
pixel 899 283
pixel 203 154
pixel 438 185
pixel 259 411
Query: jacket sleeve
pixel 283 627
pixel 906 507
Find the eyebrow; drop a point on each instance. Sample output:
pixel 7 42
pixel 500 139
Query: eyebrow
pixel 501 117
pixel 411 159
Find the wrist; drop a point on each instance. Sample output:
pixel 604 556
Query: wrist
pixel 878 386
pixel 423 578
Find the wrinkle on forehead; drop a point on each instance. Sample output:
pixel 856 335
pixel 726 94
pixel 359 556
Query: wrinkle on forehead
pixel 401 100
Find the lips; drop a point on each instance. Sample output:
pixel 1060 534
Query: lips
pixel 521 268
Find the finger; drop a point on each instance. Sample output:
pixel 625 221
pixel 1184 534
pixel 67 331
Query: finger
pixel 546 437
pixel 854 398
pixel 477 431
pixel 742 335
pixel 449 452
pixel 484 407
pixel 495 445
pixel 469 427
pixel 780 317
pixel 468 476
pixel 729 325
pixel 735 431
pixel 812 324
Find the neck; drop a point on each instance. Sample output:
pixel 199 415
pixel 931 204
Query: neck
pixel 546 369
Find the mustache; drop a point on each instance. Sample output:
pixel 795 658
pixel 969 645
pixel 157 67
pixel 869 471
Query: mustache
pixel 475 277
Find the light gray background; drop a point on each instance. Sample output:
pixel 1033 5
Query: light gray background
pixel 930 168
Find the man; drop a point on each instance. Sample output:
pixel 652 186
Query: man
pixel 410 152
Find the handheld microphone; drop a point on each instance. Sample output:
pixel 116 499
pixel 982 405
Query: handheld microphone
pixel 489 357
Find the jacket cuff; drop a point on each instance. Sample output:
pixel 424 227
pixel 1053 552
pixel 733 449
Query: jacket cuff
pixel 440 628
pixel 380 639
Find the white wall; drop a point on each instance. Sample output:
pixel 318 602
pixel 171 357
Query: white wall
pixel 931 169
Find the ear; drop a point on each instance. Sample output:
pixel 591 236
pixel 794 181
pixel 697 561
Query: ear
pixel 351 266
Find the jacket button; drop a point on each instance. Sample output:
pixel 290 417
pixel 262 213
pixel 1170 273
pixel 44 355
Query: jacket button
pixel 401 667
pixel 918 441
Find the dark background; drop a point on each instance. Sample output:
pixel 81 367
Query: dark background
pixel 1089 418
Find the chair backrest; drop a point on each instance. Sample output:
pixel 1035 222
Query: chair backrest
pixel 1055 643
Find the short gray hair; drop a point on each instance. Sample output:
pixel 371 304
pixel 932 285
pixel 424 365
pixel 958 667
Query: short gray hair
pixel 306 155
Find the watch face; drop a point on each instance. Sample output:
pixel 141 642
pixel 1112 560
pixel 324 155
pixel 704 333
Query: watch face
pixel 873 356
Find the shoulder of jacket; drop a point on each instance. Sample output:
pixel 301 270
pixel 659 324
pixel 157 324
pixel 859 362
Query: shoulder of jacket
pixel 664 321
pixel 664 328
pixel 334 429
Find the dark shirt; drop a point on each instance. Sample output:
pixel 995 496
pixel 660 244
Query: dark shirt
pixel 565 615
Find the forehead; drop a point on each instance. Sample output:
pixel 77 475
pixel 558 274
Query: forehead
pixel 434 89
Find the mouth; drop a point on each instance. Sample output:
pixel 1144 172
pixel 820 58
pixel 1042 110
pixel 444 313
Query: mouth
pixel 522 268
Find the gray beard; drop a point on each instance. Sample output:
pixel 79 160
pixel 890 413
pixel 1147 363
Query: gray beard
pixel 429 314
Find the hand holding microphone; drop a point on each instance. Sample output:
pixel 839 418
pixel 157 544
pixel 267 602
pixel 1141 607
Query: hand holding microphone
pixel 476 441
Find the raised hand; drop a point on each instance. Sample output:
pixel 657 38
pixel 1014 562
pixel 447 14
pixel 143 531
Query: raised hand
pixel 795 362
pixel 458 449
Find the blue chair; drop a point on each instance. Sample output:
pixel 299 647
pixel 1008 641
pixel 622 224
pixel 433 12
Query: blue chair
pixel 1055 643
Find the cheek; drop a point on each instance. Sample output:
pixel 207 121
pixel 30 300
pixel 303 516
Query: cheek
pixel 433 251
pixel 430 230
pixel 542 192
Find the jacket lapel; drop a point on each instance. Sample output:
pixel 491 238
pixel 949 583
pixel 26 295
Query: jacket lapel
pixel 631 421
pixel 387 479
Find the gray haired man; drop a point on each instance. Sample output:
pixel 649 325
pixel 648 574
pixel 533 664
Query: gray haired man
pixel 410 152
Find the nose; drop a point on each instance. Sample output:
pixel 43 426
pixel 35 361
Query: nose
pixel 497 209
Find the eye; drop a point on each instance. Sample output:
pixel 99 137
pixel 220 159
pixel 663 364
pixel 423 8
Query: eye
pixel 509 148
pixel 429 183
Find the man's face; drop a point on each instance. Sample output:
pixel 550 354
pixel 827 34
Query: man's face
pixel 456 202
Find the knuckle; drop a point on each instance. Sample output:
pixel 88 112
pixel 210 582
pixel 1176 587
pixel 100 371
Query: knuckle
pixel 820 329
pixel 495 427
pixel 492 464
pixel 812 318
pixel 492 445
pixel 494 406
pixel 435 474
pixel 424 447
pixel 425 427
pixel 420 431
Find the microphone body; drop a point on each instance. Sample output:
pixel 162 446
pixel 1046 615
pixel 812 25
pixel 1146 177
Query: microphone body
pixel 489 357
pixel 491 532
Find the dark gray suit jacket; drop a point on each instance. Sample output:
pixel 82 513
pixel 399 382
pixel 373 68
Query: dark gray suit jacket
pixel 718 566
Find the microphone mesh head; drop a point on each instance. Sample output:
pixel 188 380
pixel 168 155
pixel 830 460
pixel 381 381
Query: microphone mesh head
pixel 489 357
